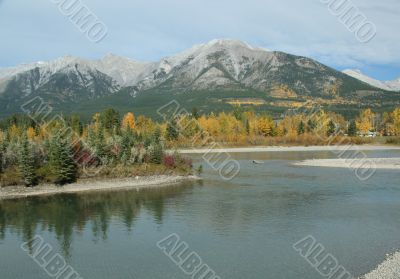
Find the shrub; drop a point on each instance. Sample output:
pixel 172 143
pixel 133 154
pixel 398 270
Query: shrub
pixel 46 174
pixel 393 140
pixel 10 177
pixel 169 161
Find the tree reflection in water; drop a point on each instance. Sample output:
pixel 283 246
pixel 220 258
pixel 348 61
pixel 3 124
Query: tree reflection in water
pixel 62 215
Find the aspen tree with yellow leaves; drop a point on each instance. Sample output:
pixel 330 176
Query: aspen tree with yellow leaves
pixel 129 121
pixel 365 122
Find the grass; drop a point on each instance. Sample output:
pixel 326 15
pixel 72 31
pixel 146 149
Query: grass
pixel 393 140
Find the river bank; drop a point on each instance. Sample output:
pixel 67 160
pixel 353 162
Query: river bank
pixel 91 185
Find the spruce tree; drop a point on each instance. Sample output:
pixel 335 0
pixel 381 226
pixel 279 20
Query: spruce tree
pixel 68 170
pixel 247 125
pixel 27 163
pixel 172 130
pixel 311 125
pixel 62 161
pixel 301 128
pixel 157 135
pixel 195 113
pixel 331 128
pixel 352 129
pixel 126 146
pixel 100 145
pixel 156 154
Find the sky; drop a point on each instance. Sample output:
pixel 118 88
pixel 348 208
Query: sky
pixel 147 30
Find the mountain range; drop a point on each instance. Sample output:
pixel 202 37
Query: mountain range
pixel 211 77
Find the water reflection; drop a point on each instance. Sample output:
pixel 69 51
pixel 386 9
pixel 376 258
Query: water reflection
pixel 62 215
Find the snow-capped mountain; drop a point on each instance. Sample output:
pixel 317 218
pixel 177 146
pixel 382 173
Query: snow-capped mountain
pixel 385 85
pixel 67 74
pixel 228 68
pixel 394 84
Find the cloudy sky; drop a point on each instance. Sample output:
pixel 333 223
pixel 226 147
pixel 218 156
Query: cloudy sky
pixel 33 30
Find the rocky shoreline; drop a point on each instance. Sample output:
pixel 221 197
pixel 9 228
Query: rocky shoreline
pixel 367 163
pixel 389 269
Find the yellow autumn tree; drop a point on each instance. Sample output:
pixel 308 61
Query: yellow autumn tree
pixel 145 126
pixel 189 126
pixel 129 121
pixel 31 133
pixel 96 121
pixel 14 132
pixel 365 121
pixel 396 120
pixel 265 126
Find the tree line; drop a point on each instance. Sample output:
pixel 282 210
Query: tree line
pixel 59 151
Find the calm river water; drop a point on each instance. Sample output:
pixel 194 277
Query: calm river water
pixel 241 229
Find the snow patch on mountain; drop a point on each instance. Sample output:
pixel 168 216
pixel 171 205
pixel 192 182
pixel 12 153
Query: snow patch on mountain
pixel 386 85
pixel 394 84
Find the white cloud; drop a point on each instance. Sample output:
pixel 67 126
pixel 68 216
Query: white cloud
pixel 150 29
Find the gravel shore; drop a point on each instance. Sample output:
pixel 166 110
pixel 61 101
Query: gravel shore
pixel 367 163
pixel 14 192
pixel 389 269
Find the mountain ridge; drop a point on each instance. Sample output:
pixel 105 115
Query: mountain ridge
pixel 210 75
pixel 391 85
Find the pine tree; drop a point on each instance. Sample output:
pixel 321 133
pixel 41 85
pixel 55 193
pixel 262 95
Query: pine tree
pixel 100 144
pixel 109 119
pixel 27 163
pixel 126 146
pixel 156 154
pixel 352 129
pixel 311 125
pixel 301 128
pixel 195 113
pixel 247 125
pixel 157 135
pixel 238 112
pixel 75 123
pixel 331 128
pixel 62 161
pixel 172 131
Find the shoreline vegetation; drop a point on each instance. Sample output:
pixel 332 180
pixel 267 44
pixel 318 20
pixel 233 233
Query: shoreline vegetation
pixel 95 185
pixel 35 150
